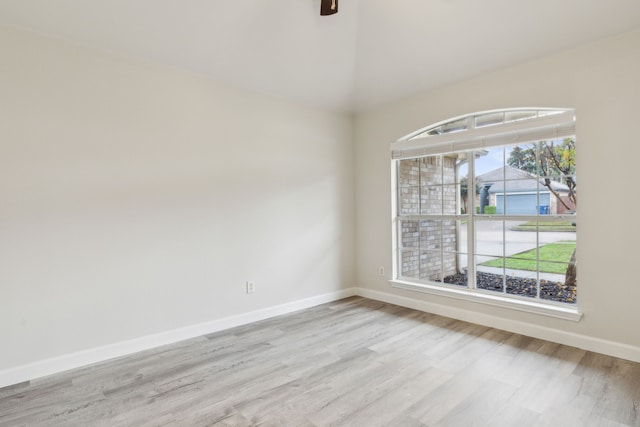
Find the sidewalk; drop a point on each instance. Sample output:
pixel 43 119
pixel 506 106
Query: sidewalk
pixel 522 273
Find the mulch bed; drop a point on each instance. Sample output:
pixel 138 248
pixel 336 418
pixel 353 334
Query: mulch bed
pixel 553 291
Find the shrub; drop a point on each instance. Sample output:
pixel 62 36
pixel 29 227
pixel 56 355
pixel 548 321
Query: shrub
pixel 490 210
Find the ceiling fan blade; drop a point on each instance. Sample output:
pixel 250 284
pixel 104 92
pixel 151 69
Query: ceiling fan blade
pixel 328 7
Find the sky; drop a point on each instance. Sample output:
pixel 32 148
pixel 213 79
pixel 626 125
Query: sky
pixel 493 160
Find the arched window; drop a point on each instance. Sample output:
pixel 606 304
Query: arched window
pixel 486 208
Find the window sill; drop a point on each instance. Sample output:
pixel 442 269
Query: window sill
pixel 565 313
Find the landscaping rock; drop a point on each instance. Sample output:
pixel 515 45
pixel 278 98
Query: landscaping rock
pixel 549 290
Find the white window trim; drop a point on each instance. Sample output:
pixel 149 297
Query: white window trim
pixel 519 132
pixel 553 126
pixel 496 300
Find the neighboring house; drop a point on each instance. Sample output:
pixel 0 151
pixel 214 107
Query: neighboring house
pixel 515 192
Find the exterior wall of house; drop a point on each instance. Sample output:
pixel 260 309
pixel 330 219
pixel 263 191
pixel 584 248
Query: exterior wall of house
pixel 560 209
pixel 555 207
pixel 429 245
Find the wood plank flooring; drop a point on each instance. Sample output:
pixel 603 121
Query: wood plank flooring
pixel 355 362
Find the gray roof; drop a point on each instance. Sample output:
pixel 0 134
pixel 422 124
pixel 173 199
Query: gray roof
pixel 515 180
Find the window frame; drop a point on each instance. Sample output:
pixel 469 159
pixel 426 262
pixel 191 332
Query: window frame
pixel 426 143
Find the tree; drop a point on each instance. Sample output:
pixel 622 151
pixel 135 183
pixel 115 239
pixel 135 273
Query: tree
pixel 552 161
pixel 559 161
pixel 464 193
pixel 523 159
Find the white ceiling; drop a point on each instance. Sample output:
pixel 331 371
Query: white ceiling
pixel 371 52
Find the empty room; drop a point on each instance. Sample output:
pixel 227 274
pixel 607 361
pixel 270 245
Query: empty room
pixel 319 213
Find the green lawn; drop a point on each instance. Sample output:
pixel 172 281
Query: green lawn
pixel 545 226
pixel 559 252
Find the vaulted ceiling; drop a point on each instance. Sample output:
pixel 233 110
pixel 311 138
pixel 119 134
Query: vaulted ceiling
pixel 371 52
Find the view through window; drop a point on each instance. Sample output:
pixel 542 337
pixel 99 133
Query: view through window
pixel 493 219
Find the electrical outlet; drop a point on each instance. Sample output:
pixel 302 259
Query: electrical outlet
pixel 381 271
pixel 251 286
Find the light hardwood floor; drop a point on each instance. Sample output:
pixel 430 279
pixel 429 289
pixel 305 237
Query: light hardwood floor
pixel 355 362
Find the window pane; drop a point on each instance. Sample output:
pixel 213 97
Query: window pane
pixel 409 187
pixel 457 126
pixel 489 236
pixel 449 165
pixel 409 200
pixel 521 242
pixel 553 289
pixel 489 119
pixel 489 165
pixel 562 200
pixel 556 260
pixel 431 170
pixel 450 257
pixel 522 197
pixel 555 257
pixel 556 157
pixel 431 266
pixel 450 236
pixel 522 283
pixel 409 172
pixel 409 234
pixel 490 255
pixel 542 113
pixel 466 194
pixel 522 157
pixel 431 200
pixel 410 263
pixel 450 199
pixel 512 116
pixel 490 172
pixel 521 261
pixel 434 131
pixel 463 166
pixel 490 273
pixel 457 275
pixel 431 235
pixel 568 196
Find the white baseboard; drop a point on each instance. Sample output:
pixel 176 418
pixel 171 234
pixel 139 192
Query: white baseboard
pixel 55 365
pixel 610 348
pixel 66 362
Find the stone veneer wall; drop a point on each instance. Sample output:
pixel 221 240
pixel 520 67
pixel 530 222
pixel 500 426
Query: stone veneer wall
pixel 426 186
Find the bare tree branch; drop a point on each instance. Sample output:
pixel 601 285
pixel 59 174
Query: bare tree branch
pixel 547 183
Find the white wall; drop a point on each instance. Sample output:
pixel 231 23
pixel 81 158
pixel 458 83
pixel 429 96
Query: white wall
pixel 601 81
pixel 136 198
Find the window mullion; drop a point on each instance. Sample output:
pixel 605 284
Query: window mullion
pixel 504 257
pixel 504 227
pixel 420 218
pixel 471 238
pixel 538 257
pixel 538 160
